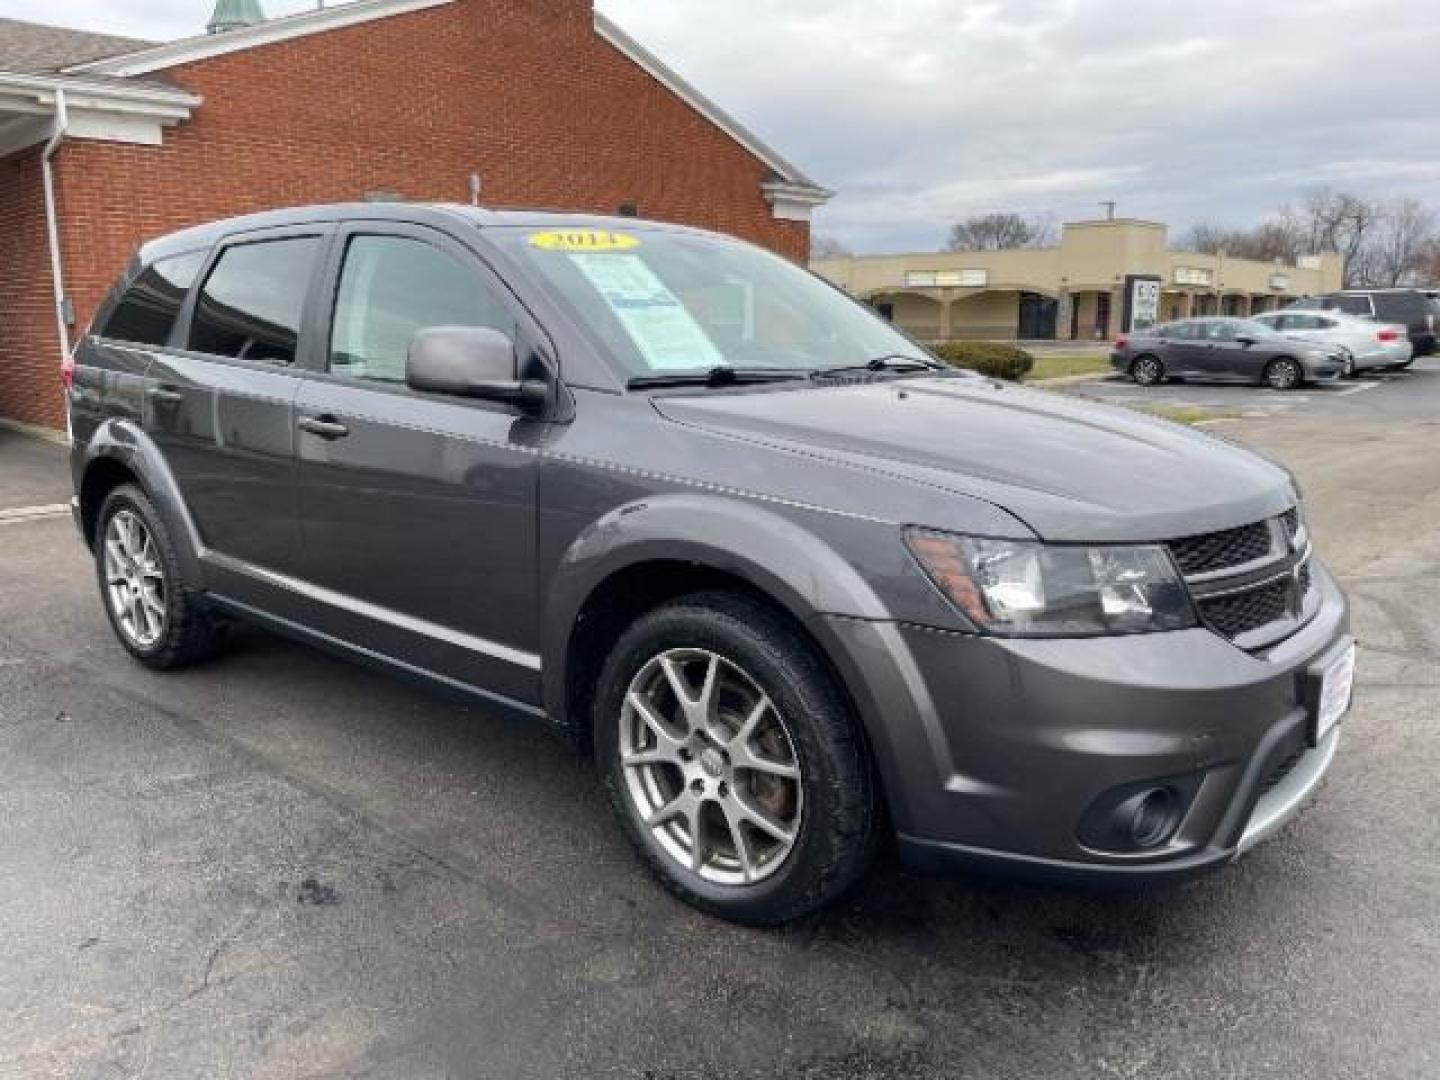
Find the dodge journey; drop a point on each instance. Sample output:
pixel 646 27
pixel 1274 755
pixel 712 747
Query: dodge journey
pixel 801 589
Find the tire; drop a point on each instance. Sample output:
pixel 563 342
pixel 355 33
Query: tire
pixel 1148 370
pixel 163 624
pixel 1283 374
pixel 829 808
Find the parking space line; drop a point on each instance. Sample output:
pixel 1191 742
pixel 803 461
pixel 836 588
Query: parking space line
pixel 1360 389
pixel 33 513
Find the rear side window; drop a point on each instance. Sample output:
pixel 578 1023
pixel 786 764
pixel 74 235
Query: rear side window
pixel 251 305
pixel 1354 305
pixel 392 287
pixel 147 312
pixel 1400 307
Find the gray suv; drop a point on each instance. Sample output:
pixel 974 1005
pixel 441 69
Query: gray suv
pixel 799 588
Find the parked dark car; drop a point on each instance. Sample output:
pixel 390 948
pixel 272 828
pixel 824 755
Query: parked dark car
pixel 1417 309
pixel 798 585
pixel 1229 350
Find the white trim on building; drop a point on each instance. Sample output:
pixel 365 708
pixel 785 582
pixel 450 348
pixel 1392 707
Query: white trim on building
pixel 98 109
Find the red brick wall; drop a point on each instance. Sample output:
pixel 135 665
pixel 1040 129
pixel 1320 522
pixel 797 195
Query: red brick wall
pixel 523 92
pixel 29 337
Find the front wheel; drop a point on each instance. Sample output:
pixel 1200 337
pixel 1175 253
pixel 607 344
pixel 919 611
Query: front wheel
pixel 1283 374
pixel 733 761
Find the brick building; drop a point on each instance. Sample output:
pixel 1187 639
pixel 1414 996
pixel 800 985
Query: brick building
pixel 547 102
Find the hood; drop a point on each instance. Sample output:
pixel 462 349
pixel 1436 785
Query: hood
pixel 1070 469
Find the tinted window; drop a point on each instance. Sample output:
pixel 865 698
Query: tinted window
pixel 1400 307
pixel 251 304
pixel 392 287
pixel 147 312
pixel 1353 305
pixel 1183 331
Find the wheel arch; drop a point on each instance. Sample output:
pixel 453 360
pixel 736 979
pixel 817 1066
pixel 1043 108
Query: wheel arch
pixel 657 550
pixel 118 453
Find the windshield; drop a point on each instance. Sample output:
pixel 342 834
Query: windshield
pixel 667 303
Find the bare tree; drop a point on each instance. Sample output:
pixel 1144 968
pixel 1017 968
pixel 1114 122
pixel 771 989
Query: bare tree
pixel 1001 231
pixel 827 247
pixel 1402 240
pixel 1274 238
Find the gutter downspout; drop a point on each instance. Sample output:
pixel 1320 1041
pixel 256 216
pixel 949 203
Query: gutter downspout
pixel 52 229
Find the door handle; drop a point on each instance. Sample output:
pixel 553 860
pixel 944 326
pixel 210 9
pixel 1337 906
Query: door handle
pixel 165 395
pixel 326 427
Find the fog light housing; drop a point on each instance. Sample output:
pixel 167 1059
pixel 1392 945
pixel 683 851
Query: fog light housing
pixel 1138 817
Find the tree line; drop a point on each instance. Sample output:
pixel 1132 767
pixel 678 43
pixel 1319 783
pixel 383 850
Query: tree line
pixel 1385 242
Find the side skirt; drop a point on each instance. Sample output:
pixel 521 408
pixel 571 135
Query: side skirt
pixel 431 680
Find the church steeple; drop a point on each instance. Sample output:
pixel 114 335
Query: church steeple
pixel 233 14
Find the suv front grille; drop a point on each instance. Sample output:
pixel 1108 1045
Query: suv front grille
pixel 1248 579
pixel 1222 550
pixel 1242 612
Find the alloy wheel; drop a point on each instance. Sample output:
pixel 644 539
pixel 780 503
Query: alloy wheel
pixel 134 580
pixel 1283 375
pixel 710 767
pixel 1148 371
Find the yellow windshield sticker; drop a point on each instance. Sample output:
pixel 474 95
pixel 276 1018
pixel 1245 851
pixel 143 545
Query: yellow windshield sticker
pixel 586 240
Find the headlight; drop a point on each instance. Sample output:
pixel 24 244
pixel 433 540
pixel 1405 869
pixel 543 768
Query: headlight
pixel 1024 589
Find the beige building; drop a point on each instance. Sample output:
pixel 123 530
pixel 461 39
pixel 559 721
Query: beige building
pixel 1104 278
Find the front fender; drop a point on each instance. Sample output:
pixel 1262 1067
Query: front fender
pixel 773 552
pixel 124 442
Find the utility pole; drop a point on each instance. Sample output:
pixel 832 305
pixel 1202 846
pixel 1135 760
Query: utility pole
pixel 1109 210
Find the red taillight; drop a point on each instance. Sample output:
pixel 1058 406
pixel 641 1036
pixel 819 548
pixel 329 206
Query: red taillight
pixel 1121 342
pixel 1388 335
pixel 67 373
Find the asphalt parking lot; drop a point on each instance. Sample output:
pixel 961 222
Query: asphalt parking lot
pixel 1394 394
pixel 278 865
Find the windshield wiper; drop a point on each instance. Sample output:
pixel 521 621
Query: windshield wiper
pixel 723 375
pixel 894 362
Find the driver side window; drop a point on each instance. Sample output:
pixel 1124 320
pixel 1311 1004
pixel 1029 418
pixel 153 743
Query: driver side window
pixel 390 288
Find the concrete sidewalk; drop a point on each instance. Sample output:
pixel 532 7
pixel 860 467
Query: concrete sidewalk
pixel 33 471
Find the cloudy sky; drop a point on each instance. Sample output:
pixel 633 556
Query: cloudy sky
pixel 922 111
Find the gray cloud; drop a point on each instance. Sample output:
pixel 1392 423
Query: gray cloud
pixel 921 111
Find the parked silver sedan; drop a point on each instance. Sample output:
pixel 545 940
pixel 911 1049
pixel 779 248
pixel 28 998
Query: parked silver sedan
pixel 1364 343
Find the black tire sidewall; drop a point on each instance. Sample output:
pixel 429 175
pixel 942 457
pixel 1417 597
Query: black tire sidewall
pixel 838 818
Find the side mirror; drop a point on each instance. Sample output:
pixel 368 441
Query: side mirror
pixel 470 361
pixel 1246 340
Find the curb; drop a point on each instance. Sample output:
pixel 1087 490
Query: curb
pixel 35 431
pixel 1069 380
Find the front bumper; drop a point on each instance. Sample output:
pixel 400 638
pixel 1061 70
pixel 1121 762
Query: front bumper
pixel 992 751
pixel 1323 370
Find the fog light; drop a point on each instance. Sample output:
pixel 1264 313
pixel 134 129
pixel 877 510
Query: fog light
pixel 1140 816
pixel 1149 817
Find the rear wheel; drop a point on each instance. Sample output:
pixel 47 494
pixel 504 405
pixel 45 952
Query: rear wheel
pixel 1283 374
pixel 1147 370
pixel 733 762
pixel 156 616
